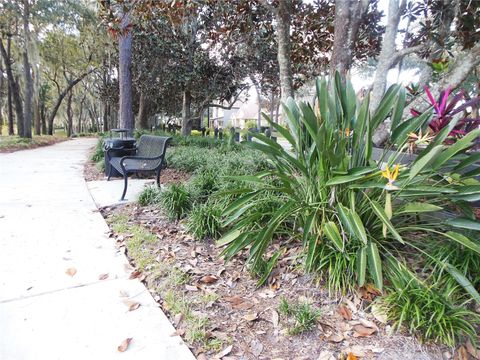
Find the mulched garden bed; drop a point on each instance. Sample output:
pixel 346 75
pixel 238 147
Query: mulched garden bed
pixel 243 321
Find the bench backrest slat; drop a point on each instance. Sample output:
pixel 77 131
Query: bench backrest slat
pixel 152 146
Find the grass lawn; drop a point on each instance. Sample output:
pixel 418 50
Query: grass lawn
pixel 14 143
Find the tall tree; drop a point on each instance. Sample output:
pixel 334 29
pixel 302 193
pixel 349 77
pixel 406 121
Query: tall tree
pixel 124 73
pixel 283 17
pixel 28 110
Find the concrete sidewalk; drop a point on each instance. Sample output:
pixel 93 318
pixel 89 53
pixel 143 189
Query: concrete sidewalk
pixel 49 224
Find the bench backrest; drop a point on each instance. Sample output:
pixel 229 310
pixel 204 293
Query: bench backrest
pixel 152 146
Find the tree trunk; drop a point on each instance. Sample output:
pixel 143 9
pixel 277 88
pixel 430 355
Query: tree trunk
pixel 36 116
pixel 143 111
pixel 43 117
pixel 348 16
pixel 13 86
pixel 258 90
pixel 387 54
pixel 106 111
pixel 186 113
pixel 124 75
pixel 283 15
pixel 69 114
pixel 27 73
pixel 60 98
pixel 80 112
pixel 10 109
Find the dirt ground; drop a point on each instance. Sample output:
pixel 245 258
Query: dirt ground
pixel 247 319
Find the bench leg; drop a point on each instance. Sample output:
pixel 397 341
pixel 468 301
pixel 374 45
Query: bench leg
pixel 125 185
pixel 109 171
pixel 158 176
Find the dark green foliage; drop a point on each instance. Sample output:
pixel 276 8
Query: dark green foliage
pixel 175 201
pixel 205 220
pixel 149 195
pixel 179 140
pixel 351 211
pixel 426 309
pixel 461 257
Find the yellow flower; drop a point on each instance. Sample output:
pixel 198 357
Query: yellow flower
pixel 391 175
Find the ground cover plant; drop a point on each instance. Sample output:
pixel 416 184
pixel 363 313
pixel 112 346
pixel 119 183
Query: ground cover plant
pixel 351 211
pixel 14 143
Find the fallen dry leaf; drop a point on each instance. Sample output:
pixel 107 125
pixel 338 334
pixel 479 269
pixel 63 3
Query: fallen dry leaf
pixel 178 332
pixel 379 314
pixel 178 319
pixel 224 352
pixel 243 306
pixel 132 305
pixel 461 353
pixel 326 355
pixel 124 344
pixel 209 279
pixel 71 271
pixel 191 287
pixel 335 338
pixel 234 300
pixel 351 356
pixel 345 312
pixel 103 277
pixel 135 274
pixel 361 330
pixel 472 350
pixel 256 347
pixel 275 318
pixel 251 317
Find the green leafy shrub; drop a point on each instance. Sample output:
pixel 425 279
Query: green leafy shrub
pixel 175 201
pixel 204 220
pixel 149 196
pixel 339 200
pixel 426 309
pixel 98 155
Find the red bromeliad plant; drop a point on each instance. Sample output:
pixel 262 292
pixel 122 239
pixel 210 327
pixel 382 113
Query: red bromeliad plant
pixel 445 113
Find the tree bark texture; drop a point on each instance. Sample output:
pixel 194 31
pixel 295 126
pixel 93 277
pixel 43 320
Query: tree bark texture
pixel 283 16
pixel 143 111
pixel 125 75
pixel 43 117
pixel 13 86
pixel 36 116
pixel 106 111
pixel 69 114
pixel 28 108
pixel 348 16
pixel 386 59
pixel 186 113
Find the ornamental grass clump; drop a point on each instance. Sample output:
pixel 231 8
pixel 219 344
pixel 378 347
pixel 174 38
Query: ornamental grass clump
pixel 351 210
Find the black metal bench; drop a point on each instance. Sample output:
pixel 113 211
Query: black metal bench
pixel 149 157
